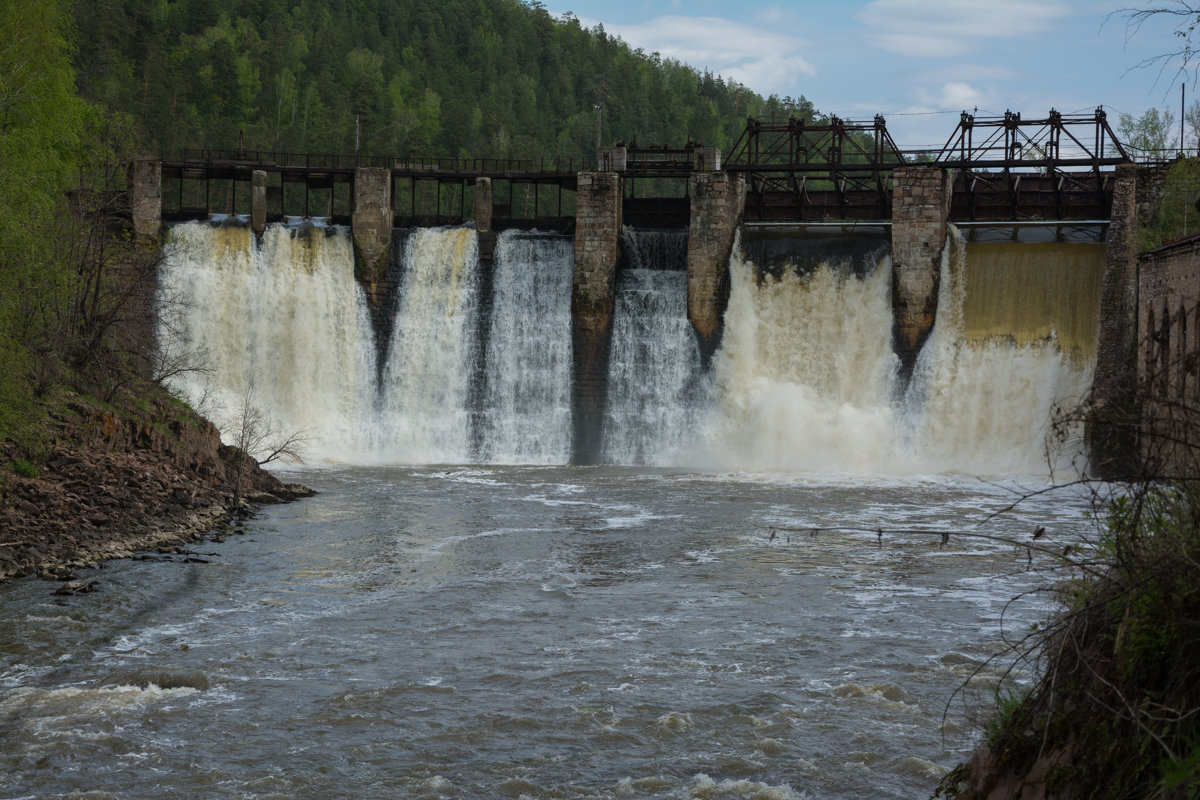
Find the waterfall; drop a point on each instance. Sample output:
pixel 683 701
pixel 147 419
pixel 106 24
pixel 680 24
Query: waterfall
pixel 806 378
pixel 1015 340
pixel 655 386
pixel 805 373
pixel 526 416
pixel 280 327
pixel 425 388
pixel 654 380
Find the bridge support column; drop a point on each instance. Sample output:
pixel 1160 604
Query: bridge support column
pixel 258 201
pixel 597 246
pixel 483 205
pixel 1116 407
pixel 718 200
pixel 146 202
pixel 371 223
pixel 920 216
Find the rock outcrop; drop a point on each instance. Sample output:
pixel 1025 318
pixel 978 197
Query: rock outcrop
pixel 116 483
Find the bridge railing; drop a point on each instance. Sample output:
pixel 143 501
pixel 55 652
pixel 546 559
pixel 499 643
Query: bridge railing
pixel 267 159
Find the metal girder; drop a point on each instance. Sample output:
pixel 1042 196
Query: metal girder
pixel 804 146
pixel 1048 144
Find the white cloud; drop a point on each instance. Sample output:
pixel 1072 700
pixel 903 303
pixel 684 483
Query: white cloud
pixel 948 28
pixel 957 94
pixel 752 54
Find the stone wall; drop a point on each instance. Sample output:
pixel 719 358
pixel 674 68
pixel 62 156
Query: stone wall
pixel 371 221
pixel 1115 418
pixel 597 249
pixel 146 203
pixel 920 214
pixel 1168 358
pixel 371 224
pixel 717 202
pixel 258 201
pixel 483 205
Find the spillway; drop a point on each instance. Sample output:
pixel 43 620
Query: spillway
pixel 806 378
pixel 280 326
pixel 656 386
pixel 424 393
pixel 526 416
pixel 476 366
pixel 1014 343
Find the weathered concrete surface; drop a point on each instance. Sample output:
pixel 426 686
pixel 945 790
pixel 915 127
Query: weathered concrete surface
pixel 597 247
pixel 1168 358
pixel 717 202
pixel 706 159
pixel 920 214
pixel 483 205
pixel 1113 424
pixel 258 201
pixel 612 159
pixel 371 223
pixel 146 203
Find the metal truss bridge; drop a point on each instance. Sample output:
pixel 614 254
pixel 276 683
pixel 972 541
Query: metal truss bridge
pixel 1057 167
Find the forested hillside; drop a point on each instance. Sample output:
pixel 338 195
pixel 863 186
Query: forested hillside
pixel 496 78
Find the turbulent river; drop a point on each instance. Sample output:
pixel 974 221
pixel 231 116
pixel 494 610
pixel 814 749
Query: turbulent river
pixel 488 632
pixel 516 627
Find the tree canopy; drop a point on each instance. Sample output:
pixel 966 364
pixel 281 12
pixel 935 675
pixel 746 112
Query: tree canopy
pixel 495 78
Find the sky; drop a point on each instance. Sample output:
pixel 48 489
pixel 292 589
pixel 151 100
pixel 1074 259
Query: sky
pixel 920 63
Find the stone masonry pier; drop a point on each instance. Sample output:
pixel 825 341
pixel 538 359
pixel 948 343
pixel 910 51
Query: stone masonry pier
pixel 717 202
pixel 597 247
pixel 920 217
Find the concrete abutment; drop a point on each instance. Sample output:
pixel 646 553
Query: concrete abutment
pixel 920 219
pixel 598 223
pixel 718 200
pixel 371 226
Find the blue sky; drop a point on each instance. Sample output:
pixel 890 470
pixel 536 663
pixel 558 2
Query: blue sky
pixel 917 62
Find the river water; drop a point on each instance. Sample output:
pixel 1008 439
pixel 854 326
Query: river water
pixel 537 632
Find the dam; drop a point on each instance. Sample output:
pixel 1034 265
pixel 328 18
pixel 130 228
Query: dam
pixel 737 326
pixel 478 363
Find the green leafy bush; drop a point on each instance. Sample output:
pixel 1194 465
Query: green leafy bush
pixel 24 468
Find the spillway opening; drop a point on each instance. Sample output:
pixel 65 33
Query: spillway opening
pixel 476 365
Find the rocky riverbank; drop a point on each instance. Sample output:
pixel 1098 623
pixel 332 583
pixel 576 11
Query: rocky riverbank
pixel 113 483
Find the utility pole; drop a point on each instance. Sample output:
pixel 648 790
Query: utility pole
pixel 598 113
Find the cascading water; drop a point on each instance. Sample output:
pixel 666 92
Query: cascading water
pixel 279 327
pixel 526 417
pixel 806 377
pixel 805 372
pixel 995 369
pixel 655 382
pixel 425 387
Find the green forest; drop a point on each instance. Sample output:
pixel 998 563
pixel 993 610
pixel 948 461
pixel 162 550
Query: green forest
pixel 484 78
pixel 87 85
